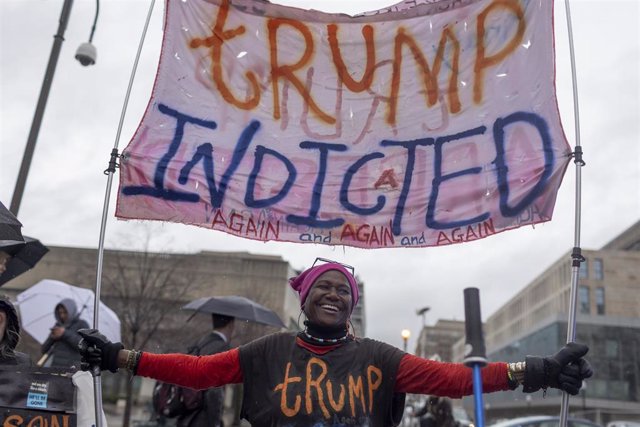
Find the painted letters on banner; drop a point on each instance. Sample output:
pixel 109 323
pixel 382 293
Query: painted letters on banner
pixel 417 125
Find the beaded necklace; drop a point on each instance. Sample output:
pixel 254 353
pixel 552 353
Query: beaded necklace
pixel 326 340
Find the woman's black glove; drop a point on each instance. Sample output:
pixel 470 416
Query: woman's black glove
pixel 564 370
pixel 97 350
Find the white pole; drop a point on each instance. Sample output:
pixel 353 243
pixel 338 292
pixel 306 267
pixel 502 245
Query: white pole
pixel 576 255
pixel 97 386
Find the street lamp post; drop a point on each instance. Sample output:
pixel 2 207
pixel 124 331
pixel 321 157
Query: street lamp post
pixel 423 312
pixel 86 56
pixel 405 338
pixel 42 103
pixel 422 335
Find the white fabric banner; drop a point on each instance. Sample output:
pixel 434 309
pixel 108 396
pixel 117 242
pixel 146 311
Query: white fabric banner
pixel 416 125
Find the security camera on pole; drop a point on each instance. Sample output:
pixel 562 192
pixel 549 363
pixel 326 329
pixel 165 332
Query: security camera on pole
pixel 87 53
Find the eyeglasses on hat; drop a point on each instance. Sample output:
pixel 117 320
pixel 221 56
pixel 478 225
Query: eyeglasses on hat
pixel 320 260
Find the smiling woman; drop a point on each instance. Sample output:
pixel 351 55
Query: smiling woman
pixel 328 294
pixel 329 300
pixel 324 375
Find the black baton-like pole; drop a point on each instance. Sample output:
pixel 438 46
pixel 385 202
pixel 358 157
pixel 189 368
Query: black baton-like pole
pixel 474 352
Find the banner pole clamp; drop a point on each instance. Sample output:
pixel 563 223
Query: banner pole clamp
pixel 113 162
pixel 577 156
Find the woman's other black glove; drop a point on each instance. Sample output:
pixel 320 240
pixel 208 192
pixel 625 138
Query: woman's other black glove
pixel 564 370
pixel 97 350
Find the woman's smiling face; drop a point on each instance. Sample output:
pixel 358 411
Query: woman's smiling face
pixel 329 300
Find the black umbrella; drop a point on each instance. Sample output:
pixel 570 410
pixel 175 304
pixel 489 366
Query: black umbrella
pixel 24 256
pixel 235 306
pixel 9 227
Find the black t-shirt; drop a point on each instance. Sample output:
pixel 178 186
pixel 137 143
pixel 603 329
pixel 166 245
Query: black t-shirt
pixel 287 385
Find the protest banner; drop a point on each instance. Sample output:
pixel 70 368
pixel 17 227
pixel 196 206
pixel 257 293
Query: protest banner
pixel 424 124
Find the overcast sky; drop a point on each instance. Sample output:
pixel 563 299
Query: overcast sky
pixel 63 200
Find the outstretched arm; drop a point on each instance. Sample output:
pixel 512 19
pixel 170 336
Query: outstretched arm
pixel 199 372
pixel 423 376
pixel 564 370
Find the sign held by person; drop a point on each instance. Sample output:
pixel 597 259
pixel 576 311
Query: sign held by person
pixel 37 397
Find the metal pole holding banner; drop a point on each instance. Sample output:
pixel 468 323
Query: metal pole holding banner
pixel 475 353
pixel 576 253
pixel 113 164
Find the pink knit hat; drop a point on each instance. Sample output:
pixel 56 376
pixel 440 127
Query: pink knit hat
pixel 303 282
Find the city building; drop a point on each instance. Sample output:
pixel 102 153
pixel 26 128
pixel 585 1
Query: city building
pixel 180 278
pixel 436 342
pixel 535 321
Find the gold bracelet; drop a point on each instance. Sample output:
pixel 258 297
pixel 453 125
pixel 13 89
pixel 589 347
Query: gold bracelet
pixel 515 371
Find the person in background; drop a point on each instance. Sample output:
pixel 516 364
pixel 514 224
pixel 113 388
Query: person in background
pixel 436 412
pixel 61 347
pixel 324 375
pixel 217 341
pixel 10 336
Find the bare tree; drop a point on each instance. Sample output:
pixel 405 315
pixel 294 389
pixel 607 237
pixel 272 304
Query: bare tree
pixel 143 287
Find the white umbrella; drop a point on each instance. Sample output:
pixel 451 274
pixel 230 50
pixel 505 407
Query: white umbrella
pixel 37 305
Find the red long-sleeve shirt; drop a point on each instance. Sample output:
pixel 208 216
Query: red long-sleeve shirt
pixel 415 374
